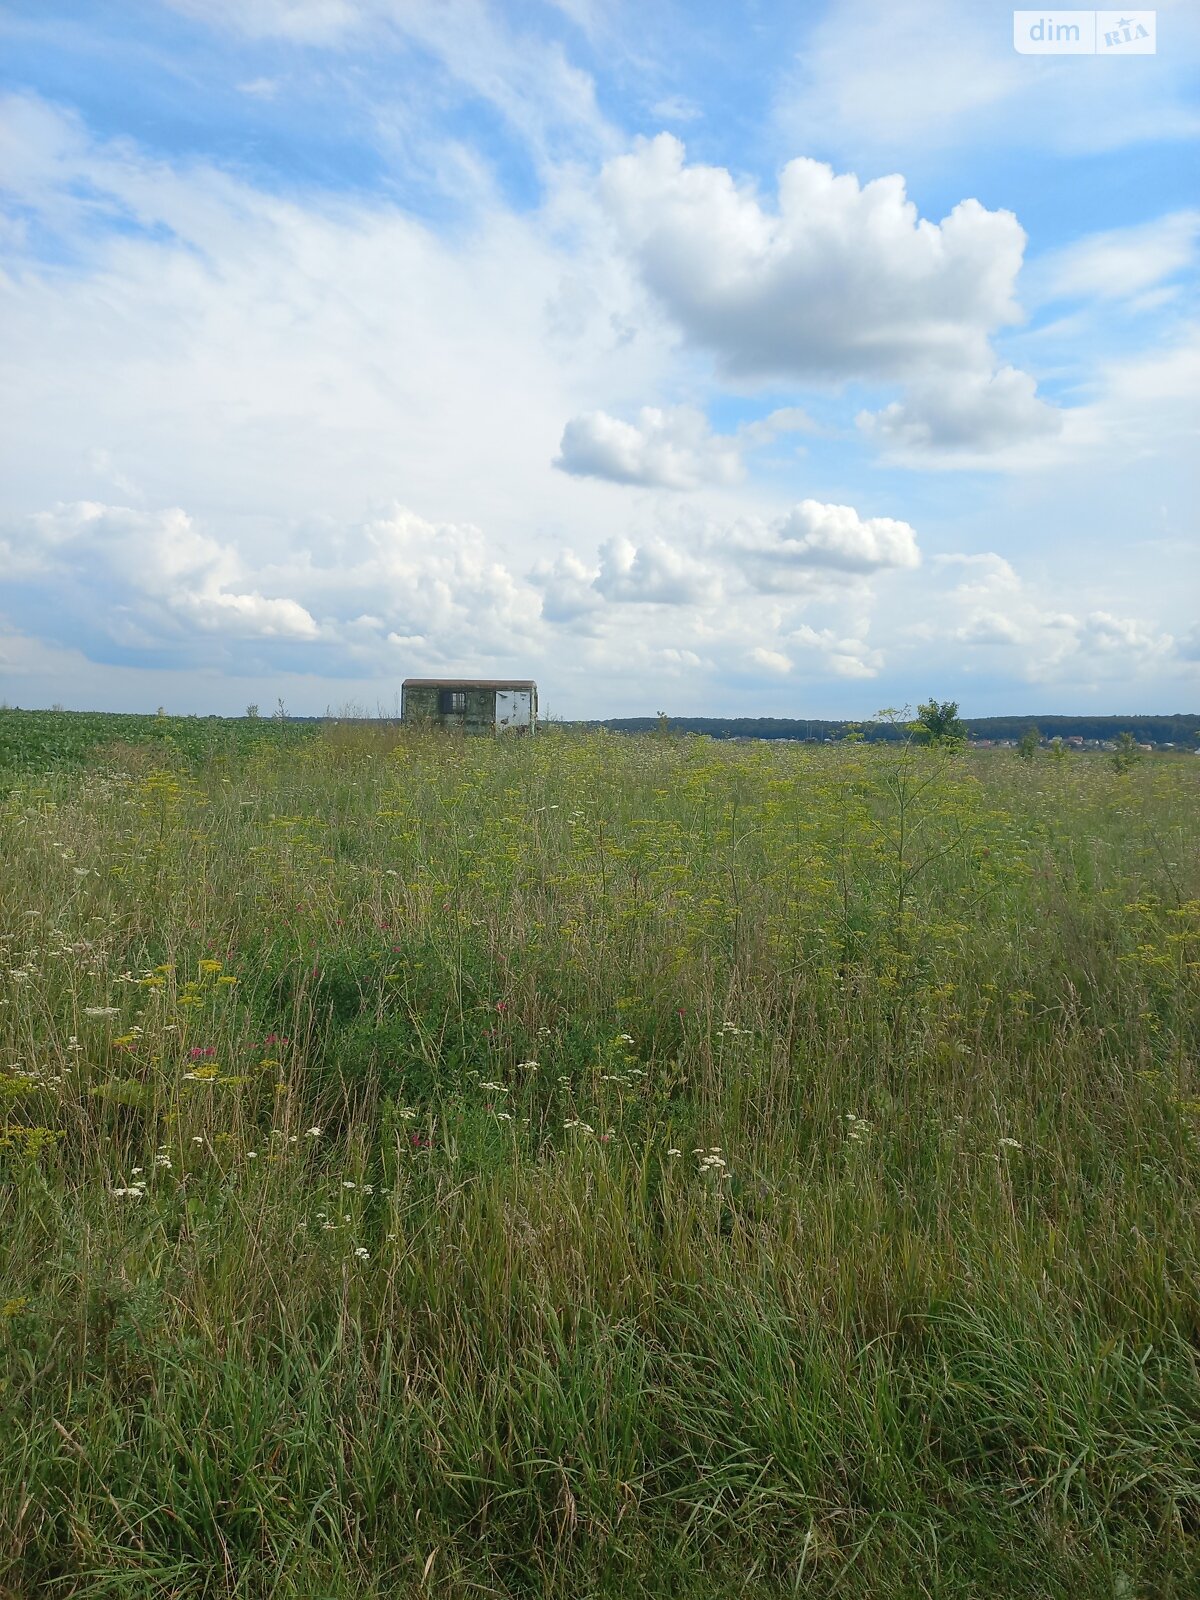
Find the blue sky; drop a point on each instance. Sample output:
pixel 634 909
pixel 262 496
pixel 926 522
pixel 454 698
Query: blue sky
pixel 792 360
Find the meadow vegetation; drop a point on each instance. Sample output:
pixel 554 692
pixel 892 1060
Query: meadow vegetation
pixel 594 1166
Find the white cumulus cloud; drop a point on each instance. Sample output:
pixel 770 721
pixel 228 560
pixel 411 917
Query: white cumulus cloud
pixel 968 414
pixel 840 280
pixel 656 572
pixel 813 537
pixel 669 449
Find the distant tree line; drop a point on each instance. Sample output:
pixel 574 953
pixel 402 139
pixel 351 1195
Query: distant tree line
pixel 1179 728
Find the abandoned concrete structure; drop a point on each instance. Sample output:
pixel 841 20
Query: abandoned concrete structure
pixel 473 705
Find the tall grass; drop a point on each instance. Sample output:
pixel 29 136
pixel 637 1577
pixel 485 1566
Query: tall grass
pixel 592 1166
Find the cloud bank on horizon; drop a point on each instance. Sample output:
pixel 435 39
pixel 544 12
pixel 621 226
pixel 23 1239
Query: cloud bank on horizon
pixel 787 364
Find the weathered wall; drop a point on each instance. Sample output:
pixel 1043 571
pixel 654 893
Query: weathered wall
pixel 421 705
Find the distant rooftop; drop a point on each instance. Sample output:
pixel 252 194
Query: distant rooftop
pixel 469 683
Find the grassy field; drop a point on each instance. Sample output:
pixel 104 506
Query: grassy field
pixel 594 1167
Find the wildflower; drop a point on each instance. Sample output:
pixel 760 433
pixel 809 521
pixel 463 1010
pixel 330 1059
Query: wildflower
pixel 674 1152
pixel 1012 1144
pixel 207 967
pixel 134 1192
pixel 251 1155
pixel 313 1133
pixel 162 1160
pixel 100 1011
pixel 362 1253
pixel 349 1184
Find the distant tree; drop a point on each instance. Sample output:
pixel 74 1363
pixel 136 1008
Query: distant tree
pixel 1027 744
pixel 1126 755
pixel 252 711
pixel 280 713
pixel 940 724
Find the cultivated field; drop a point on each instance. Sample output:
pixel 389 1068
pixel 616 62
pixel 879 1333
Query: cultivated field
pixel 591 1166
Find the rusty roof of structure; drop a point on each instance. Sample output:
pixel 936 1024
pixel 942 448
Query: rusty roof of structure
pixel 469 683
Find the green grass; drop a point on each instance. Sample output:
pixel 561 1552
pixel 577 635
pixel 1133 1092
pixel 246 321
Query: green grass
pixel 415 1295
pixel 41 741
